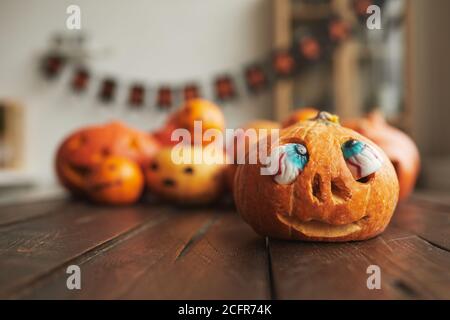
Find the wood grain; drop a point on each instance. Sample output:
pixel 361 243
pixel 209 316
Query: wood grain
pixel 10 214
pixel 227 262
pixel 200 254
pixel 112 270
pixel 429 222
pixel 35 248
pixel 411 268
pixel 152 251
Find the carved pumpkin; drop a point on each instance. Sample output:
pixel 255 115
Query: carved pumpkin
pixel 189 182
pixel 116 181
pixel 257 125
pixel 209 114
pixel 329 184
pixel 300 115
pixel 398 146
pixel 87 148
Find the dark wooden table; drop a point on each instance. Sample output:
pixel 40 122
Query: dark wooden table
pixel 159 252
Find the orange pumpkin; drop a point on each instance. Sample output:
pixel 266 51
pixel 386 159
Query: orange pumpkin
pixel 326 183
pixel 164 134
pixel 189 181
pixel 208 113
pixel 302 114
pixel 399 147
pixel 116 181
pixel 257 125
pixel 87 148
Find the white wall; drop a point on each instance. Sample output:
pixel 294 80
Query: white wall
pixel 153 40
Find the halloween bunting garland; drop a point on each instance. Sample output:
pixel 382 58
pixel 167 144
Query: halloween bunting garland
pixel 313 45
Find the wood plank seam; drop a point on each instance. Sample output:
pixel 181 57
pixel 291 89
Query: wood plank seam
pixel 437 246
pixel 272 292
pixel 197 236
pixel 52 211
pixel 85 256
pixel 400 283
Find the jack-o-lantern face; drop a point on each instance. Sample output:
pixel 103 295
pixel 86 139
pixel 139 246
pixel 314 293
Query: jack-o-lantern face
pixel 116 181
pixel 332 184
pixel 190 181
pixel 87 148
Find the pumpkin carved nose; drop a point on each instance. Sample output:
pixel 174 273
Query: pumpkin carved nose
pixel 334 189
pixel 318 188
pixel 339 190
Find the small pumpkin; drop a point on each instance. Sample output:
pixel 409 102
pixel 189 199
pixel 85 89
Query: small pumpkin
pixel 164 134
pixel 88 147
pixel 116 181
pixel 302 114
pixel 196 180
pixel 209 114
pixel 329 184
pixel 266 125
pixel 399 147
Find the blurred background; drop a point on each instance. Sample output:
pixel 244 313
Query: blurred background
pixel 54 80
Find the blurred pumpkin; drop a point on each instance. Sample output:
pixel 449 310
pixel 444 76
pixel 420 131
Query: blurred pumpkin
pixel 116 181
pixel 326 183
pixel 257 125
pixel 302 114
pixel 164 134
pixel 88 147
pixel 208 113
pixel 196 180
pixel 398 146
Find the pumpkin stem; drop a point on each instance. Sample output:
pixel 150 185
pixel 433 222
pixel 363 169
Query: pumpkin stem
pixel 326 116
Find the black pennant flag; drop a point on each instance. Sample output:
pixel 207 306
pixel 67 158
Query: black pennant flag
pixel 164 98
pixel 136 97
pixel 80 79
pixel 256 78
pixel 107 90
pixel 225 89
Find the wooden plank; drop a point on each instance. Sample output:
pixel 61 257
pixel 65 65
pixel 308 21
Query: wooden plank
pixel 194 254
pixel 346 79
pixel 111 271
pixel 439 199
pixel 431 223
pixel 35 248
pixel 282 37
pixel 282 33
pixel 410 268
pixel 227 262
pixel 10 214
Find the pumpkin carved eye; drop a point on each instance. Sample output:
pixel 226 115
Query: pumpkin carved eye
pixel 290 159
pixel 362 160
pixel 188 170
pixel 154 166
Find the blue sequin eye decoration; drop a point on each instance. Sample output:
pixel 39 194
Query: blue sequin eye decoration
pixel 362 160
pixel 291 159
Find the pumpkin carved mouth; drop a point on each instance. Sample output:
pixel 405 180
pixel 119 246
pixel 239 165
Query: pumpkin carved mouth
pixel 103 185
pixel 320 229
pixel 82 171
